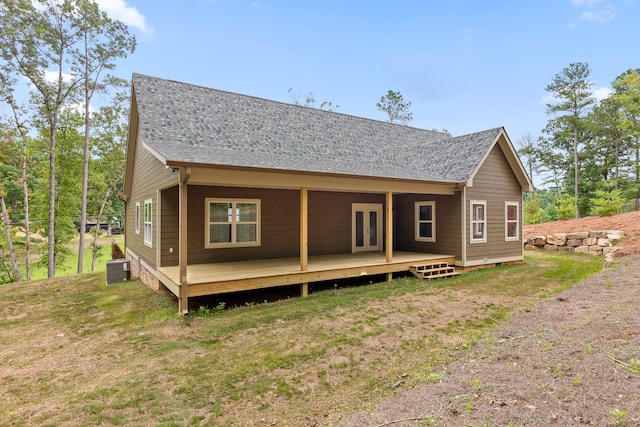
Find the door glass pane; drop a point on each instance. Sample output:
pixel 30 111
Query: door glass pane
pixel 373 228
pixel 359 228
pixel 220 212
pixel 245 233
pixel 220 233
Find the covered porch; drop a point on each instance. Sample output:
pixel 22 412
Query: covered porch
pixel 218 278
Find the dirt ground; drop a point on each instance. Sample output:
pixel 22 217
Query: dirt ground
pixel 572 360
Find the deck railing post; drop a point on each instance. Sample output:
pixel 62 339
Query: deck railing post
pixel 304 237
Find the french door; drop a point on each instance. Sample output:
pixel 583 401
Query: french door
pixel 367 227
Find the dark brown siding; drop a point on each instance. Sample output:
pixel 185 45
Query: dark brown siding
pixel 148 175
pixel 170 237
pixel 496 184
pixel 448 220
pixel 280 222
pixel 330 219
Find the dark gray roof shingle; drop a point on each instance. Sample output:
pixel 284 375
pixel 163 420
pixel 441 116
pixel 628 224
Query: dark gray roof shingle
pixel 186 123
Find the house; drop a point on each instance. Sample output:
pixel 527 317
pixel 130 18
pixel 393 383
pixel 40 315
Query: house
pixel 227 192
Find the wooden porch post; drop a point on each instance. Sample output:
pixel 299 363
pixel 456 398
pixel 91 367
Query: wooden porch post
pixel 389 231
pixel 304 236
pixel 183 300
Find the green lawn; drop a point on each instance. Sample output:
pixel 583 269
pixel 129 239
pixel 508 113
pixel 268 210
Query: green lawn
pixel 78 352
pixel 70 264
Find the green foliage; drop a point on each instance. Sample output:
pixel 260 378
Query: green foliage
pixel 566 207
pixel 533 213
pixel 396 107
pixel 608 203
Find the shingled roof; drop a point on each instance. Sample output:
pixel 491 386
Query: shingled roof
pixel 185 123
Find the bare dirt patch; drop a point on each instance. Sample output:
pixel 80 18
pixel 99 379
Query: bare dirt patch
pixel 572 360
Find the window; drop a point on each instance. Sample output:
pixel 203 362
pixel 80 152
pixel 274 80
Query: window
pixel 512 224
pixel 138 218
pixel 425 221
pixel 147 222
pixel 232 222
pixel 478 221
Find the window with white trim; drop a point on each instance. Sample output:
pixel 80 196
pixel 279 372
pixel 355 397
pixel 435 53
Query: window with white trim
pixel 137 217
pixel 511 220
pixel 478 221
pixel 232 222
pixel 147 223
pixel 425 215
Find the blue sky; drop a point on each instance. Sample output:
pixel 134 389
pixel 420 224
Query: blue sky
pixel 465 66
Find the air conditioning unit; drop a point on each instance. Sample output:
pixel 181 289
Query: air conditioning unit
pixel 118 270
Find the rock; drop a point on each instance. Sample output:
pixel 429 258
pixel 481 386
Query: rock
pixel 565 249
pixel 591 240
pixel 615 236
pixel 595 250
pixel 581 249
pixel 609 250
pixel 551 247
pixel 558 239
pixel 598 234
pixel 608 260
pixel 537 241
pixel 529 247
pixel 603 241
pixel 577 235
pixel 577 242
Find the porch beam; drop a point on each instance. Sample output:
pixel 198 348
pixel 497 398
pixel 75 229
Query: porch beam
pixel 304 237
pixel 304 229
pixel 183 298
pixel 389 227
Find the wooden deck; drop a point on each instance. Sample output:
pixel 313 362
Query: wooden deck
pixel 210 279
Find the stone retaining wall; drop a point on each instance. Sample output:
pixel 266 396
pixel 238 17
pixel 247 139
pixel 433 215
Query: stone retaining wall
pixel 587 242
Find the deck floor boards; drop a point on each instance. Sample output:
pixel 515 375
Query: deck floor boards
pixel 242 275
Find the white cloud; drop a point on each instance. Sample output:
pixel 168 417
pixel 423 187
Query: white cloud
pixel 52 76
pixel 120 10
pixel 602 93
pixel 600 11
pixel 585 3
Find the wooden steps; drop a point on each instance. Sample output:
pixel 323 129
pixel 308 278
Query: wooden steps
pixel 433 271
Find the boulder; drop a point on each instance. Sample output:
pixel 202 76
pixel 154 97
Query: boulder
pixel 529 247
pixel 590 241
pixel 615 236
pixel 558 239
pixel 595 250
pixel 551 247
pixel 581 249
pixel 577 242
pixel 598 234
pixel 537 241
pixel 577 235
pixel 603 241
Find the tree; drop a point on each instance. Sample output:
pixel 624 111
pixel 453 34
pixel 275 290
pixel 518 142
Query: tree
pixel 627 95
pixel 396 108
pixel 573 93
pixel 310 101
pixel 102 41
pixel 531 154
pixel 35 44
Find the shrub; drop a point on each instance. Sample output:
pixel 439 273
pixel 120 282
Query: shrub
pixel 566 207
pixel 608 202
pixel 116 252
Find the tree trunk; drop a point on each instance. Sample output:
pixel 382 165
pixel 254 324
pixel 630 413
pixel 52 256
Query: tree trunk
pixel 7 231
pixel 577 173
pixel 51 236
pixel 95 237
pixel 27 228
pixel 85 186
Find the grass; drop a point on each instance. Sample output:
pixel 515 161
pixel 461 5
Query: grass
pixel 77 352
pixel 70 264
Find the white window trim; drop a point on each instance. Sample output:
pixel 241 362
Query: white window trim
pixel 148 235
pixel 138 217
pixel 418 222
pixel 233 243
pixel 472 221
pixel 507 221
